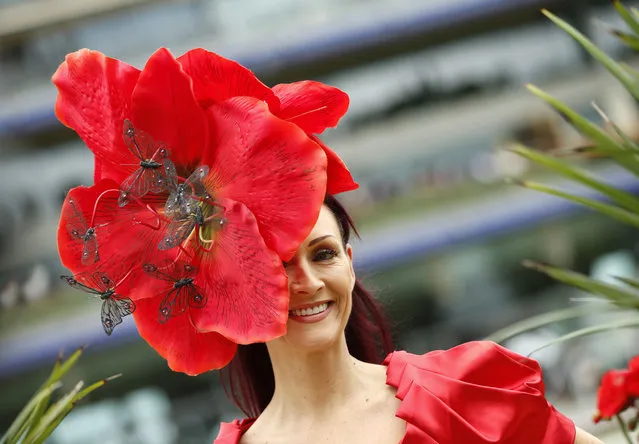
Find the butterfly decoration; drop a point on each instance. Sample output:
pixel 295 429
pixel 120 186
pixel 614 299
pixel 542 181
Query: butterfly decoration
pixel 185 207
pixel 178 230
pixel 184 196
pixel 114 306
pixel 156 171
pixel 182 293
pixel 79 230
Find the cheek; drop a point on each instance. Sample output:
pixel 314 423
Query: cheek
pixel 346 296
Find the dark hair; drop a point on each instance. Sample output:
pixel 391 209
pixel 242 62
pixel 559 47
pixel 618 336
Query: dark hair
pixel 248 379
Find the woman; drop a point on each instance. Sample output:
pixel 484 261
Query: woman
pixel 323 383
pixel 206 223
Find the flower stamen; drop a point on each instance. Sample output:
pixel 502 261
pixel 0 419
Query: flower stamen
pixel 95 205
pixel 307 112
pixel 123 278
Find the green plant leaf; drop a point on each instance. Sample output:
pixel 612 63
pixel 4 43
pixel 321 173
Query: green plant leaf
pixel 630 70
pixel 605 144
pixel 627 141
pixel 36 422
pixel 613 293
pixel 603 140
pixel 61 407
pixel 57 416
pixel 43 437
pixel 589 331
pixel 625 159
pixel 629 40
pixel 94 386
pixel 617 213
pixel 37 413
pixel 627 17
pixel 64 367
pixel 626 200
pixel 60 368
pixel 541 320
pixel 615 69
pixel 629 282
pixel 12 434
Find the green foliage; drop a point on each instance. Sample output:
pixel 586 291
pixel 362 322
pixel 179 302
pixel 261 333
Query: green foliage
pixel 606 140
pixel 37 420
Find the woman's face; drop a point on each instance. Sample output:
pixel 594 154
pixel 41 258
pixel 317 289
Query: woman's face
pixel 321 279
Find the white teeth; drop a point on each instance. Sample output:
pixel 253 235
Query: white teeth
pixel 309 311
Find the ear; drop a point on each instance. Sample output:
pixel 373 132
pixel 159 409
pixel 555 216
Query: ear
pixel 349 254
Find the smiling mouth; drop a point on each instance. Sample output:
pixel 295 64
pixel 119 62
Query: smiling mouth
pixel 310 311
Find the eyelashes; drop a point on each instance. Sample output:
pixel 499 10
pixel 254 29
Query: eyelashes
pixel 319 255
pixel 324 254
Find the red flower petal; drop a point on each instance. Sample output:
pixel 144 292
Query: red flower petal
pixel 612 397
pixel 632 381
pixel 245 282
pixel 97 170
pixel 94 97
pixel 216 79
pixel 124 237
pixel 339 178
pixel 185 349
pixel 313 106
pixel 269 165
pixel 164 106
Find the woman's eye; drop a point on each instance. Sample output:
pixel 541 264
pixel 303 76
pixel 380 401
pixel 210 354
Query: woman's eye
pixel 325 254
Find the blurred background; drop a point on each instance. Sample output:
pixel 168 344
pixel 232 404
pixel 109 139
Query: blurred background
pixel 437 94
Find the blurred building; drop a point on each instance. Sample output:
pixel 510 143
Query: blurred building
pixel 437 95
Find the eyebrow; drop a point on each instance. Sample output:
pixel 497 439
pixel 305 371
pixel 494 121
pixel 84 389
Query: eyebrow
pixel 319 239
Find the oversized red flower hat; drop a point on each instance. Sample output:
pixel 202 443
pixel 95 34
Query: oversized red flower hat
pixel 205 181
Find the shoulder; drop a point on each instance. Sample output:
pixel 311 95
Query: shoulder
pixel 477 392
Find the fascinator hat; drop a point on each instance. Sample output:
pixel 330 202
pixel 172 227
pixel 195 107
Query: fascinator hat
pixel 205 180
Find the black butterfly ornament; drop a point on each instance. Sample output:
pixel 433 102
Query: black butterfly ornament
pixel 114 305
pixel 182 293
pixel 80 231
pixel 154 166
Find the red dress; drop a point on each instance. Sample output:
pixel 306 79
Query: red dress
pixel 475 393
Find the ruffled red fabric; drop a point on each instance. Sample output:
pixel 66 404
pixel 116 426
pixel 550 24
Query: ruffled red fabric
pixel 231 432
pixel 475 393
pixel 478 392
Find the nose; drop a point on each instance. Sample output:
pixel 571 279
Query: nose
pixel 303 280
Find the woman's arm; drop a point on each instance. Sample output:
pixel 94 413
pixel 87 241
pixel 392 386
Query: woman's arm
pixel 583 437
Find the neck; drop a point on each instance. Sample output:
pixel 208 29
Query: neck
pixel 318 384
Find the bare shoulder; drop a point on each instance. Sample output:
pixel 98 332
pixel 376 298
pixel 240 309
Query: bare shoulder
pixel 381 396
pixel 258 433
pixel 583 437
